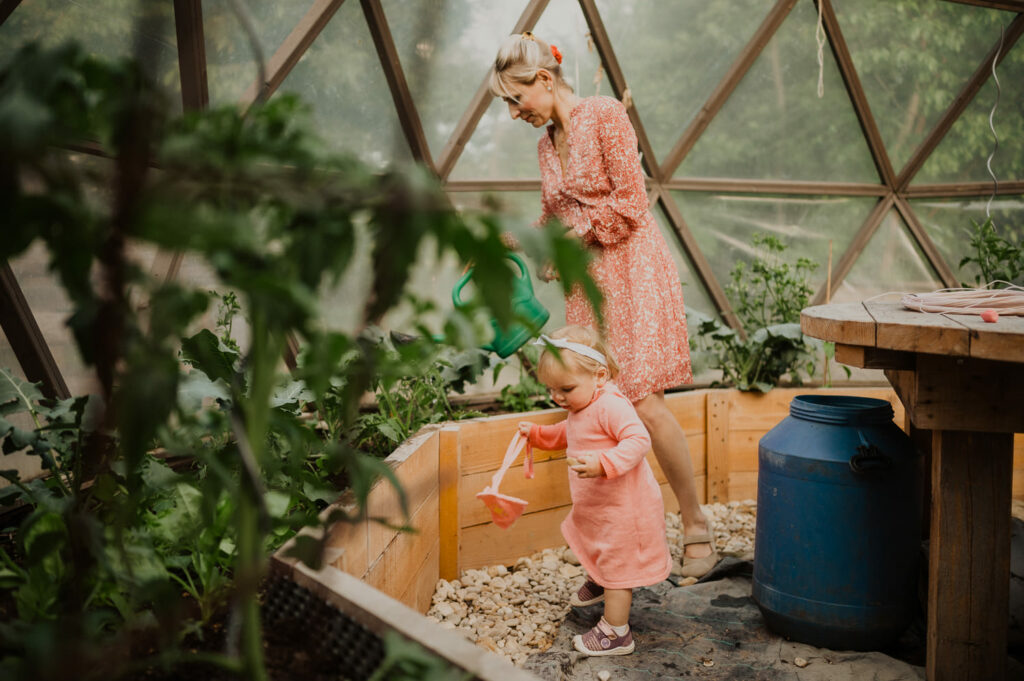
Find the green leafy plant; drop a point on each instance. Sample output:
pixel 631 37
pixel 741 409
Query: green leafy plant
pixel 998 258
pixel 767 295
pixel 528 393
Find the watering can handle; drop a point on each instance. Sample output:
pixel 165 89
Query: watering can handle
pixel 467 274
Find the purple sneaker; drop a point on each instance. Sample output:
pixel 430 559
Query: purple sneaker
pixel 588 594
pixel 602 640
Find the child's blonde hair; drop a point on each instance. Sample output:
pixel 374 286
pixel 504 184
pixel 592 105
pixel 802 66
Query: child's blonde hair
pixel 574 361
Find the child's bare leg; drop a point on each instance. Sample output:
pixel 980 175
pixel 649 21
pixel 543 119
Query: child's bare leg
pixel 616 606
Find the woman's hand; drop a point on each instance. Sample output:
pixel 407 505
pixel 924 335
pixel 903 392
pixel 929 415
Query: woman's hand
pixel 548 272
pixel 524 428
pixel 587 466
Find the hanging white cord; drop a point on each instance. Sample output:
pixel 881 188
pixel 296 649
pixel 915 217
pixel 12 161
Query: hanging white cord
pixel 819 37
pixel 992 127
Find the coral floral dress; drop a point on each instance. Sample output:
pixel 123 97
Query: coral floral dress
pixel 601 196
pixel 617 523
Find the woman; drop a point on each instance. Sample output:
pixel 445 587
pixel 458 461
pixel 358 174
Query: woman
pixel 593 183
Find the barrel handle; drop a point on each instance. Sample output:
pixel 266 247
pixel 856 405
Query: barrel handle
pixel 869 458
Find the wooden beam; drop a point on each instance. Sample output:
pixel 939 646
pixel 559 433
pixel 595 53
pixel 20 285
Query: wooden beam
pixel 1005 187
pixel 618 83
pixel 853 86
pixel 732 78
pixel 931 251
pixel 448 478
pixel 6 7
pixel 874 358
pixel 293 47
pixel 481 100
pixel 408 118
pixel 712 184
pixel 1008 5
pixel 974 84
pixel 492 186
pixel 188 24
pixel 856 247
pixel 718 447
pixel 700 263
pixel 25 338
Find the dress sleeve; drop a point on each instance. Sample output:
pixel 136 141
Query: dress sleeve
pixel 613 215
pixel 550 438
pixel 620 420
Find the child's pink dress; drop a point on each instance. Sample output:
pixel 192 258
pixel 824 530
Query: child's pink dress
pixel 617 523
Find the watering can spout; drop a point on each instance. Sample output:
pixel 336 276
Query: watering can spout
pixel 529 314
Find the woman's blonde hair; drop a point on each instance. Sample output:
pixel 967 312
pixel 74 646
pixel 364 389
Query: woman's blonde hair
pixel 574 361
pixel 519 59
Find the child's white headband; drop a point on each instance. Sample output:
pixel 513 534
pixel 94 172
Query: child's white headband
pixel 578 348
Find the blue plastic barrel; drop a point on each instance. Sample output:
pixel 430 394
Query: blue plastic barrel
pixel 836 548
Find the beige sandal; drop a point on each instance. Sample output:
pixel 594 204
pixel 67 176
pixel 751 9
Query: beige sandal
pixel 698 567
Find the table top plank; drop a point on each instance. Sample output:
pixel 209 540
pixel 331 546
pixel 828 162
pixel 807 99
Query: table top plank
pixel 1002 340
pixel 847 323
pixel 899 328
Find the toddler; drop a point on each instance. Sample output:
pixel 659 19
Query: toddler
pixel 617 523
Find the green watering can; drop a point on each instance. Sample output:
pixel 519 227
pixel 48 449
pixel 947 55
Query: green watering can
pixel 529 313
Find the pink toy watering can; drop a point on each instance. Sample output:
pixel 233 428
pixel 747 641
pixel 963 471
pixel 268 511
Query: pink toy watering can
pixel 506 509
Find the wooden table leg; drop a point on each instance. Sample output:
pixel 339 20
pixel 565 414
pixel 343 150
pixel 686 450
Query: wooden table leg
pixel 969 555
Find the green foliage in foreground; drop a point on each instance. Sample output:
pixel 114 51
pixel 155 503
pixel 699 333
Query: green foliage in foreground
pixel 115 534
pixel 999 258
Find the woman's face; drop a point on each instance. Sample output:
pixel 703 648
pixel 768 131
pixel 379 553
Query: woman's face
pixel 533 103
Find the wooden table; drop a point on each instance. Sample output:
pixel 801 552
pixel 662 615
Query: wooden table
pixel 961 381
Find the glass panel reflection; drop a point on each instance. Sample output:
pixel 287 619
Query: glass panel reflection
pixel 109 29
pixel 446 48
pixel 503 148
pixel 948 223
pixel 963 153
pixel 230 64
pixel 892 262
pixel 774 126
pixel 913 58
pixel 342 79
pixel 724 225
pixel 673 54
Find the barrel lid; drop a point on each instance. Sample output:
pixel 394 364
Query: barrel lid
pixel 841 409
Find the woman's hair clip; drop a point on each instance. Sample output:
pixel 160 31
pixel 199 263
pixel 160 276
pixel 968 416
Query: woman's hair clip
pixel 556 54
pixel 526 35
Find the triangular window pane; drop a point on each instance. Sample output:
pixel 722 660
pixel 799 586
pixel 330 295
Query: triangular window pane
pixel 341 78
pixel 503 148
pixel 230 64
pixel 774 126
pixel 913 59
pixel 892 262
pixel 105 28
pixel 724 226
pixel 695 296
pixel 446 50
pixel 695 41
pixel 948 223
pixel 963 153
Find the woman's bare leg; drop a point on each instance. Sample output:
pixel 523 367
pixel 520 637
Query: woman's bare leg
pixel 673 454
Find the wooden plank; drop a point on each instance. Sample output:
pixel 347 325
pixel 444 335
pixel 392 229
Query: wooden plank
pixel 923 191
pixel 901 329
pixel 969 556
pixel 743 486
pixel 966 394
pixel 448 480
pixel 350 540
pixel 26 339
pixel 188 26
pixel 484 440
pixel 718 453
pixel 382 614
pixel 548 489
pixel 805 188
pixel 1000 340
pixel 928 247
pixel 415 466
pixel 396 568
pixel 292 49
pixel 873 358
pixel 847 323
pixel 1008 5
pixel 420 591
pixel 742 447
pixel 6 7
pixel 689 408
pixel 488 544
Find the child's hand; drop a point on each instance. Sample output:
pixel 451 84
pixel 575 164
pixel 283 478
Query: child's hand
pixel 587 466
pixel 524 428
